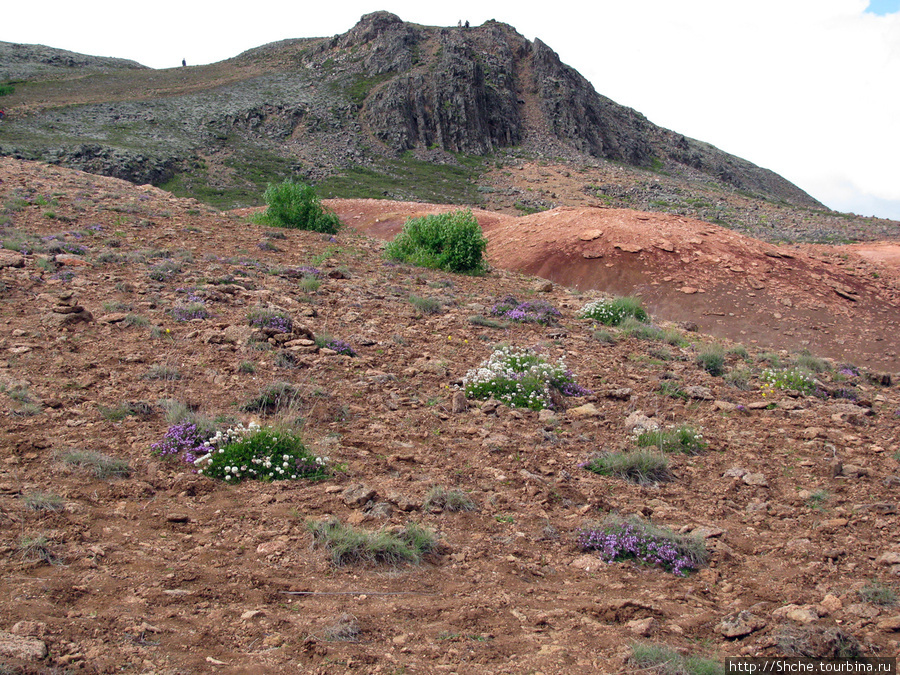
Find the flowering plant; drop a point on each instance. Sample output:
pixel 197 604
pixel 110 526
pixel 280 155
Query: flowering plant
pixel 615 311
pixel 618 539
pixel 531 311
pixel 794 378
pixel 254 452
pixel 269 318
pixel 184 440
pixel 521 379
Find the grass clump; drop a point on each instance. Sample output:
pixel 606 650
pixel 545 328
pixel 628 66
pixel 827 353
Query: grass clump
pixel 663 660
pixel 448 241
pixel 440 498
pixel 37 550
pixel 712 360
pixel 348 544
pixel 812 363
pixel 125 409
pixel 38 500
pixel 684 439
pixel 161 372
pixel 640 466
pixel 878 594
pixel 617 539
pixel 102 466
pixel 425 305
pixel 259 453
pixel 484 322
pixel 521 379
pixel 612 312
pixel 272 399
pixel 296 206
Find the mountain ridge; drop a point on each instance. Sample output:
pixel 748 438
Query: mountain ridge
pixel 317 106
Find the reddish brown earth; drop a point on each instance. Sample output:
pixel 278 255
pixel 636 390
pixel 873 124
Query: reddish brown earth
pixel 839 302
pixel 165 571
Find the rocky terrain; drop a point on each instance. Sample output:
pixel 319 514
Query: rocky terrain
pixel 121 561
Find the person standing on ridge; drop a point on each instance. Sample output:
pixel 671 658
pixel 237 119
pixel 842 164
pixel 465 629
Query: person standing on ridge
pixel 183 63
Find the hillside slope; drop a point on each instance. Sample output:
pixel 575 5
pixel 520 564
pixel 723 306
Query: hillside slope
pixel 125 309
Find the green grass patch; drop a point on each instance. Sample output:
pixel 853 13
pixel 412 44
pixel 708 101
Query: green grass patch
pixel 684 439
pixel 441 498
pixel 348 544
pixel 100 465
pixel 642 467
pixel 663 660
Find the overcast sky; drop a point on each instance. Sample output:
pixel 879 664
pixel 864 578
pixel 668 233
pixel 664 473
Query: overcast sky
pixel 807 88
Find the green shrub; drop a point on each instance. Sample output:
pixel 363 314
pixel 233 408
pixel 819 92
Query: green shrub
pixel 680 439
pixel 448 241
pixel 614 311
pixel 7 89
pixel 812 363
pixel 296 206
pixel 639 466
pixel 484 322
pixel 349 544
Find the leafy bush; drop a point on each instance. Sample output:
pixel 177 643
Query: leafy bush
pixel 260 453
pixel 348 544
pixel 448 241
pixel 296 206
pixel 640 466
pixel 530 311
pixel 681 439
pixel 7 89
pixel 618 539
pixel 614 311
pixel 521 379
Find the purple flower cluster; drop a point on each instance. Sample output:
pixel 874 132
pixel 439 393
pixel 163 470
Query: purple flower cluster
pixel 531 311
pixel 341 347
pixel 849 371
pixel 195 310
pixel 310 271
pixel 277 322
pixel 181 439
pixel 627 542
pixel 64 275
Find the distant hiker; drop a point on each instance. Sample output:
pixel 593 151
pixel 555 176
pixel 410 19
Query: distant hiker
pixel 183 63
pixel 2 114
pixel 459 24
pixel 467 24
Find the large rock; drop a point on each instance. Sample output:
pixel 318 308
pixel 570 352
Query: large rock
pixel 21 647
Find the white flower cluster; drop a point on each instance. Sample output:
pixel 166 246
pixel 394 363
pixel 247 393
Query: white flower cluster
pixel 220 440
pixel 602 311
pixel 517 377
